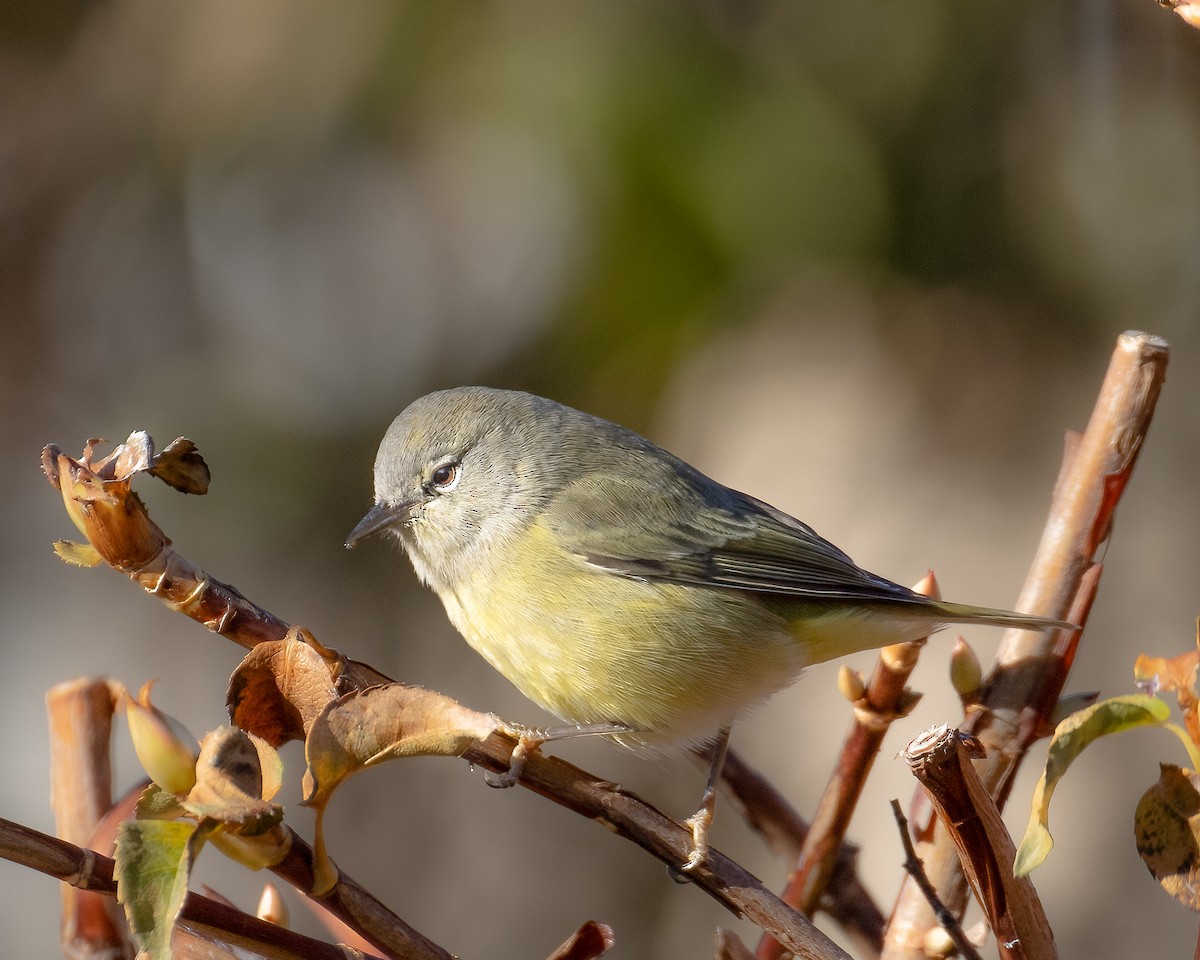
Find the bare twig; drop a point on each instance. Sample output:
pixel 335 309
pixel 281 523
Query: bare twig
pixel 769 814
pixel 98 498
pixel 629 816
pixel 940 760
pixel 916 869
pixel 1031 669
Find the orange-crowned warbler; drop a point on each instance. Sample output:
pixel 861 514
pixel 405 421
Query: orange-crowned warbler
pixel 615 584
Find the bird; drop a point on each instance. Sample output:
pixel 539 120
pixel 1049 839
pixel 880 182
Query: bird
pixel 615 584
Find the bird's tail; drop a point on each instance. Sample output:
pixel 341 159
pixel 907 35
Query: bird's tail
pixel 965 613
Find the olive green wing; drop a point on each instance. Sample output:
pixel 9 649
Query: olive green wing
pixel 680 527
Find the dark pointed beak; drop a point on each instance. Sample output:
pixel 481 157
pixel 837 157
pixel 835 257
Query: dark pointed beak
pixel 379 517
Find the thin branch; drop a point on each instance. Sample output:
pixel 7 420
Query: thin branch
pixel 770 815
pixel 629 816
pixel 1031 668
pixel 916 869
pixel 885 699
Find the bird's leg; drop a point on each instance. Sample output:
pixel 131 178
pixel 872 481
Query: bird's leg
pixel 701 820
pixel 530 740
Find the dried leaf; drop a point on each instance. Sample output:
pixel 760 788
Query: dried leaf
pixel 133 456
pixel 254 851
pixel 155 803
pixel 1167 831
pixel 281 686
pixel 181 466
pixel 1161 674
pixel 367 727
pixel 1157 675
pixel 229 784
pixel 1070 738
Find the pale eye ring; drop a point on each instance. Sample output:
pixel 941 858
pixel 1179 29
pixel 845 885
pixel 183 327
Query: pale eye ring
pixel 445 476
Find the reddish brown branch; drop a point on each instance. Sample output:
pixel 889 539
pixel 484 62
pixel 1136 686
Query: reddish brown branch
pixel 1030 671
pixel 885 699
pixel 770 815
pixel 204 921
pixel 940 759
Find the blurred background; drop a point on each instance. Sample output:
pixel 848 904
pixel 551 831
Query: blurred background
pixel 867 262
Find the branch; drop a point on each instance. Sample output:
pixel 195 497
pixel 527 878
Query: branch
pixel 940 760
pixel 770 815
pixel 210 928
pixel 916 869
pixel 1030 671
pixel 885 699
pixel 80 715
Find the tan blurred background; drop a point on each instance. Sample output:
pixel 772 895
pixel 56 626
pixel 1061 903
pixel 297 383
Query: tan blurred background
pixel 865 261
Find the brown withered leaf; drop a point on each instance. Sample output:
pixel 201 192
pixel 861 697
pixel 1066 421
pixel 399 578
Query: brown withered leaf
pixel 230 780
pixel 1167 673
pixel 1167 832
pixel 367 727
pixel 281 686
pixel 181 466
pixel 1155 675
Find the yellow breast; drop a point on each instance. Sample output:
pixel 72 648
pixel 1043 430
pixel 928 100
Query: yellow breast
pixel 673 662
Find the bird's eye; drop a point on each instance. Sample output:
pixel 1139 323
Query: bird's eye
pixel 445 477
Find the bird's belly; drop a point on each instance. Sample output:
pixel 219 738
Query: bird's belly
pixel 674 663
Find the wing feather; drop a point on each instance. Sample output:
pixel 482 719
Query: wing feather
pixel 707 535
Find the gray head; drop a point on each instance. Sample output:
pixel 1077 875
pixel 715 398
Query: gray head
pixel 460 471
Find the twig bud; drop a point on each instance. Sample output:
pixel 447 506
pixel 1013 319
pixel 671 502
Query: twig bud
pixel 165 749
pixel 851 684
pixel 966 675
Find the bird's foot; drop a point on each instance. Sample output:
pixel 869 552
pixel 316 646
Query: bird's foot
pixel 529 741
pixel 698 823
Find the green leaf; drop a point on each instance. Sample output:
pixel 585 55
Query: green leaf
pixel 153 860
pixel 1070 738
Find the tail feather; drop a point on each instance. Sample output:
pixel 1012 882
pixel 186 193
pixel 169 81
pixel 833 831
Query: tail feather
pixel 965 613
